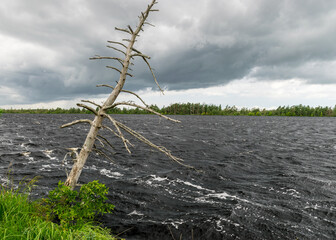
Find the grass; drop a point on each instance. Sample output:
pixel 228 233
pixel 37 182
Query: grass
pixel 21 218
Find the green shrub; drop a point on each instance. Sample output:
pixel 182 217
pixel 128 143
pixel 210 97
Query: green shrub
pixel 73 209
pixel 22 219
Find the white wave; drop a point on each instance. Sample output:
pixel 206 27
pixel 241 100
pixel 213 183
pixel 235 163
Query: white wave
pixel 110 174
pixel 135 213
pixel 155 178
pixel 47 153
pixel 194 185
pixel 174 223
pixel 27 156
pixel 223 195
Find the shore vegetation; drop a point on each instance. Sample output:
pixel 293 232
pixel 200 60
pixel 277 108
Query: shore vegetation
pixel 52 218
pixel 199 109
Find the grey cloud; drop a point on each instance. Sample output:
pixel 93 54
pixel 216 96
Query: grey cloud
pixel 206 43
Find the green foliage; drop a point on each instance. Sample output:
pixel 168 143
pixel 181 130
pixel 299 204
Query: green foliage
pixel 72 208
pixel 21 218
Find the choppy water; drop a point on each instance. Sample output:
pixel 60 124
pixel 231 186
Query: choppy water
pixel 262 177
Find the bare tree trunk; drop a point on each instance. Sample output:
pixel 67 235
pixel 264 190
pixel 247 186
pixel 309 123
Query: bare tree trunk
pixel 84 153
pixel 89 145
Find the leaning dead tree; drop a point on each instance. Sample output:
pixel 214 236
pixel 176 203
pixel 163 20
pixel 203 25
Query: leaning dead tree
pixel 126 47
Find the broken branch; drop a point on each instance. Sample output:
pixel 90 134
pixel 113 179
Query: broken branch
pixel 113 58
pixel 126 91
pixel 93 103
pixel 100 152
pixel 105 140
pixel 144 108
pixel 114 69
pixel 88 108
pixel 125 141
pixel 146 141
pixel 150 68
pixel 118 43
pixel 76 122
pixel 114 48
pixel 123 30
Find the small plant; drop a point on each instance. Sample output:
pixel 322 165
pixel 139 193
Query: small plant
pixel 21 218
pixel 72 209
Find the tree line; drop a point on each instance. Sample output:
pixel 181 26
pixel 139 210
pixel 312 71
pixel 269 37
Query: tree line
pixel 199 109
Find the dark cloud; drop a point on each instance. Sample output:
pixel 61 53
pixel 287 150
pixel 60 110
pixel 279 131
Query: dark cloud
pixel 46 44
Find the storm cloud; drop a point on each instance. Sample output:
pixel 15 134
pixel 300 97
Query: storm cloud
pixel 45 45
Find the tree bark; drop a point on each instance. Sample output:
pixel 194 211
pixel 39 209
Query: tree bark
pixel 84 153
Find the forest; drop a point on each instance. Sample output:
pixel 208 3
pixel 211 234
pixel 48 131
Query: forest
pixel 198 109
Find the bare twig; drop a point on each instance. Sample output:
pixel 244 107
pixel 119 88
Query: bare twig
pixel 114 69
pixel 93 103
pixel 149 24
pixel 146 141
pixel 171 233
pixel 119 43
pixel 111 130
pixel 150 68
pixel 100 152
pixel 131 30
pixel 140 55
pixel 112 58
pixel 114 48
pixel 144 108
pixel 125 141
pixel 100 141
pixel 125 91
pixel 76 122
pixel 88 108
pixel 123 30
pixel 106 141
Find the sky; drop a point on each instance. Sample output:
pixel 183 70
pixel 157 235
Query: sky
pixel 247 53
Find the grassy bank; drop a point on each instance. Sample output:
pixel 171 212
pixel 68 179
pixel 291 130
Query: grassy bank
pixel 21 218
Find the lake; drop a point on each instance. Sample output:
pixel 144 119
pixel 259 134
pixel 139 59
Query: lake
pixel 257 178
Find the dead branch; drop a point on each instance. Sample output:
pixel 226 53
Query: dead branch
pixel 125 141
pixel 144 108
pixel 112 58
pixel 140 55
pixel 123 30
pixel 126 91
pixel 131 30
pixel 93 103
pixel 104 85
pixel 100 141
pixel 76 122
pixel 117 49
pixel 114 69
pixel 105 140
pixel 146 141
pixel 88 108
pixel 100 152
pixel 119 43
pixel 150 68
pixel 147 23
pixel 128 40
pixel 111 130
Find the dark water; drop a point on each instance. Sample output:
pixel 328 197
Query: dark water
pixel 263 177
